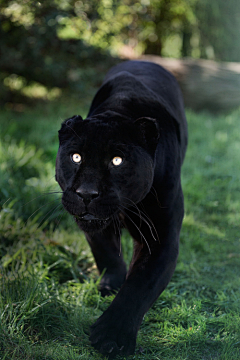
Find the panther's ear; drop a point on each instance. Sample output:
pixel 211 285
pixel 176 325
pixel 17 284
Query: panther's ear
pixel 67 128
pixel 149 132
pixel 72 120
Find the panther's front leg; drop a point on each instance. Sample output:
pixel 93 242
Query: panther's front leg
pixel 106 249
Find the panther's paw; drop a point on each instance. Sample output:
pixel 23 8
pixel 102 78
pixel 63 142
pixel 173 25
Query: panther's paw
pixel 112 336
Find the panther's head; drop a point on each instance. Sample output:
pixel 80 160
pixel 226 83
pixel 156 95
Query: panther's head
pixel 104 165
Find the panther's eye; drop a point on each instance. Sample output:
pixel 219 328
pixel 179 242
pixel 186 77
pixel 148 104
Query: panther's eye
pixel 76 158
pixel 117 160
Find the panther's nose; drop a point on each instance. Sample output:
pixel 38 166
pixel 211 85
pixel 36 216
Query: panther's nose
pixel 87 194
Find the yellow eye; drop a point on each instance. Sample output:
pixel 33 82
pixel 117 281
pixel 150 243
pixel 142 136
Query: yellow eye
pixel 117 161
pixel 76 158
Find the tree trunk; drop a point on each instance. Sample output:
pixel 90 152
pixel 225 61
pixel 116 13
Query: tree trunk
pixel 205 84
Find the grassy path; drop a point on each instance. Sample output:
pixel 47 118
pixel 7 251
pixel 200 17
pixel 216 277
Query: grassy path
pixel 48 294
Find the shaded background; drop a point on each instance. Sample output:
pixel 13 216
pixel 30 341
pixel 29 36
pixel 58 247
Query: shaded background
pixel 53 49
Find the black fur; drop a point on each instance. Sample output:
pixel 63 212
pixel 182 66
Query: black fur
pixel 137 115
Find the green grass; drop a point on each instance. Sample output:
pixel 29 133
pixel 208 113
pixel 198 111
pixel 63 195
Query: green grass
pixel 48 279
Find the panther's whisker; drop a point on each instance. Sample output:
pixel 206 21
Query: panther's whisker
pixel 143 212
pixel 146 222
pixel 52 211
pixel 62 213
pixel 50 202
pixel 72 130
pixel 156 197
pixel 117 223
pixel 137 214
pixel 44 194
pixel 154 193
pixel 138 230
pixel 6 202
pixel 135 205
pixel 145 218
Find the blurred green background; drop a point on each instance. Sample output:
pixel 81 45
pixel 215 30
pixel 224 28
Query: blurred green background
pixel 56 48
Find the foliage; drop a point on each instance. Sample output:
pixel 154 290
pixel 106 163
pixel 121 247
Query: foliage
pixel 219 27
pixel 141 24
pixel 56 44
pixel 32 52
pixel 48 293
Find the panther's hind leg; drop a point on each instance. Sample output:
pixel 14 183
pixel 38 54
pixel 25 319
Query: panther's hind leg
pixel 106 249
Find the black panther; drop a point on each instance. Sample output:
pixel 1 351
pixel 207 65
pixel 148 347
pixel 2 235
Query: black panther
pixel 120 167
